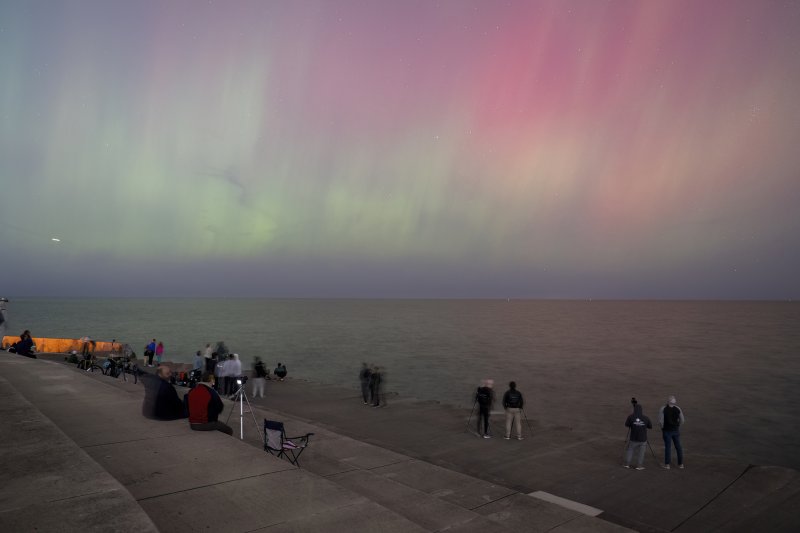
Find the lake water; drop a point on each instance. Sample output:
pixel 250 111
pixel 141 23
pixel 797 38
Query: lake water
pixel 734 366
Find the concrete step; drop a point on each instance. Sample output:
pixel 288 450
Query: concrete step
pixel 183 480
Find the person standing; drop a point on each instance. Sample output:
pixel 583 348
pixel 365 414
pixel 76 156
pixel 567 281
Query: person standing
pixel 375 379
pixel 638 425
pixel 670 418
pixel 484 396
pixel 259 378
pixel 159 353
pixel 364 376
pixel 207 357
pixel 3 323
pixel 513 403
pixel 150 351
pixel 233 371
pixel 197 364
pixel 219 374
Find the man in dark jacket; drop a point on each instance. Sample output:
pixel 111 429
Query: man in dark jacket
pixel 204 406
pixel 161 402
pixel 670 418
pixel 513 403
pixel 637 438
pixel 484 396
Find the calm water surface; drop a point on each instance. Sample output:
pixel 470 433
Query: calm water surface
pixel 733 366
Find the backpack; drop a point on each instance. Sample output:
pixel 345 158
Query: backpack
pixel 514 398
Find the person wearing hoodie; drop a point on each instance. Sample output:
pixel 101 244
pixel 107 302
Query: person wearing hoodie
pixel 670 418
pixel 638 425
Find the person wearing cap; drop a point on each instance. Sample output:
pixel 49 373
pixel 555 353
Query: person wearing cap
pixel 670 418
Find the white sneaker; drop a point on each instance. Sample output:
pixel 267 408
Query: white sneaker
pixel 639 468
pixel 519 438
pixel 680 466
pixel 626 466
pixel 487 436
pixel 507 438
pixel 665 467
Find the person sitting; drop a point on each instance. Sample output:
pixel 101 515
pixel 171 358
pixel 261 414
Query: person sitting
pixel 280 371
pixel 161 402
pixel 24 346
pixel 204 406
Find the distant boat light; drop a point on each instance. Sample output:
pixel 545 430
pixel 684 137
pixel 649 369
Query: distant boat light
pixel 55 239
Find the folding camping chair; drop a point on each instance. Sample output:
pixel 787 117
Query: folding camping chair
pixel 277 443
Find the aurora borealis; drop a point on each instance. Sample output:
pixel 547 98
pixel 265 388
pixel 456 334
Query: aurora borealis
pixel 573 149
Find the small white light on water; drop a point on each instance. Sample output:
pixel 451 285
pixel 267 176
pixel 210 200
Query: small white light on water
pixel 55 239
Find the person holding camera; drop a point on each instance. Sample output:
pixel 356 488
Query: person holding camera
pixel 637 425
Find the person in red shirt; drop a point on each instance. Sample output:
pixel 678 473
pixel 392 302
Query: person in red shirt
pixel 204 406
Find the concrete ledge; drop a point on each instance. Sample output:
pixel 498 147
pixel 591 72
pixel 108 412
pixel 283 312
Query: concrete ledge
pixel 567 504
pixel 50 483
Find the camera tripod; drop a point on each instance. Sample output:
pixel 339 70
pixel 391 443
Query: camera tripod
pixel 241 396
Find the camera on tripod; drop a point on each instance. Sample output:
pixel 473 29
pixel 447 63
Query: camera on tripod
pixel 241 380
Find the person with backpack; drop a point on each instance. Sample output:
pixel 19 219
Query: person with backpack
pixel 484 397
pixel 670 418
pixel 513 403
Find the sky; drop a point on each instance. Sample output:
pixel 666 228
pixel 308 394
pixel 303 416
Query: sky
pixel 377 148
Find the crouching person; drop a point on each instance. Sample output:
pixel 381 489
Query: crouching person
pixel 204 406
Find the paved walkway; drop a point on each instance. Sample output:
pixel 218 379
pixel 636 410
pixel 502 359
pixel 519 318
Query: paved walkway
pixel 74 439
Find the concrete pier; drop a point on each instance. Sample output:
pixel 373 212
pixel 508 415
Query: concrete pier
pixel 76 444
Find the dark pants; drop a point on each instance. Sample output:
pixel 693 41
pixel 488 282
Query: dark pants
pixel 483 414
pixel 365 391
pixel 671 437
